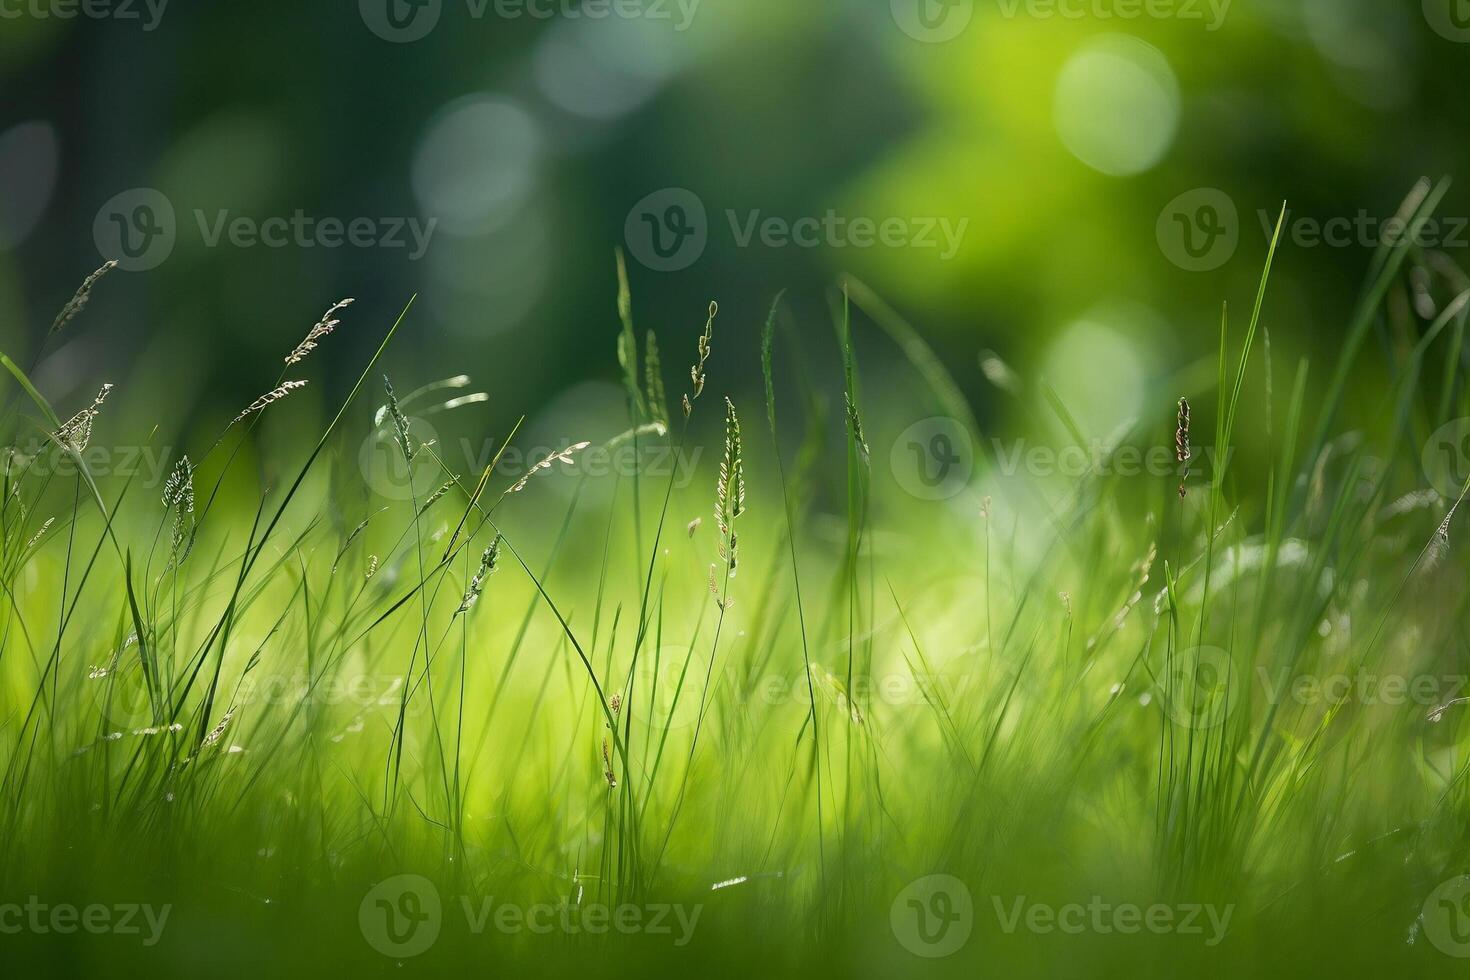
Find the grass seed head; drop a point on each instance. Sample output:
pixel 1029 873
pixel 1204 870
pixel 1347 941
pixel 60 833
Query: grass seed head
pixel 37 536
pixel 560 456
pixel 488 562
pixel 1181 443
pixel 317 333
pixel 696 373
pixel 218 731
pixel 400 422
pixel 178 496
pixel 855 424
pixel 77 431
pixel 607 767
pixel 269 398
pixel 78 302
pixel 730 490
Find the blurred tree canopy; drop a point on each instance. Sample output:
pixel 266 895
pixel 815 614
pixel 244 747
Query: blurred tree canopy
pixel 1048 138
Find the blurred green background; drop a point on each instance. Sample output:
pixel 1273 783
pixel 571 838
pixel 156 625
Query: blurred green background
pixel 1055 135
pixel 1073 185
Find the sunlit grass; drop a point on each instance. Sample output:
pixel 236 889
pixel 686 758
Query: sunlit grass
pixel 637 692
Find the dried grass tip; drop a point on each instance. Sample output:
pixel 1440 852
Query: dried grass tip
pixel 322 329
pixel 560 456
pixel 270 397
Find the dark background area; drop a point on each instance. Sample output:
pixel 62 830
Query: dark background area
pixel 530 140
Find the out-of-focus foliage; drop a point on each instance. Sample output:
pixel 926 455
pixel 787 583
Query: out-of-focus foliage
pixel 1053 135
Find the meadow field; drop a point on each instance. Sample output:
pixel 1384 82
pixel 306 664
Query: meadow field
pixel 837 682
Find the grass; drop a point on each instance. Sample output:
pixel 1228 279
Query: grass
pixel 760 721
